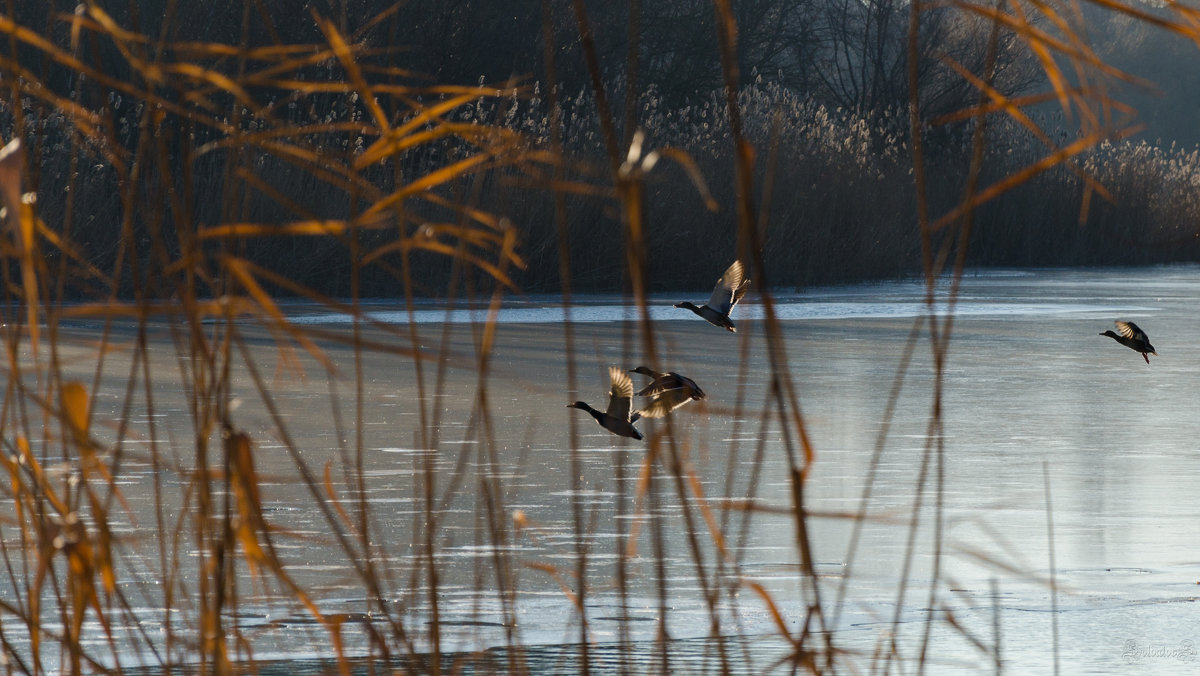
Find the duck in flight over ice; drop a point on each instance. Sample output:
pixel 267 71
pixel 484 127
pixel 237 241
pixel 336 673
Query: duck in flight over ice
pixel 669 391
pixel 1133 338
pixel 729 290
pixel 616 418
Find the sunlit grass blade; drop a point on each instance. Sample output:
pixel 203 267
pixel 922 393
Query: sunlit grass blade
pixel 242 272
pixel 346 57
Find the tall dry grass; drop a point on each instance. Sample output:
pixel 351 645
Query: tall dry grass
pixel 181 198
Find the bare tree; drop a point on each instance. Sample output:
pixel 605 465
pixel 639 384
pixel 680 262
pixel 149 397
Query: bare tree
pixel 679 56
pixel 861 61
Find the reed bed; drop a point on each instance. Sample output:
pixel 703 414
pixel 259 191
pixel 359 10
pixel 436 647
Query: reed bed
pixel 168 192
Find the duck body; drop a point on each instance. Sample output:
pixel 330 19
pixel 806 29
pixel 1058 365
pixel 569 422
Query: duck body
pixel 729 290
pixel 1133 338
pixel 618 418
pixel 710 315
pixel 622 428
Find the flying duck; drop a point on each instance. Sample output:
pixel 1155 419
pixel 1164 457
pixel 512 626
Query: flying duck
pixel 729 290
pixel 667 381
pixel 620 403
pixel 1134 338
pixel 669 392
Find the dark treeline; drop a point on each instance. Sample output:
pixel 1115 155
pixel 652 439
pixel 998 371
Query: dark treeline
pixel 824 96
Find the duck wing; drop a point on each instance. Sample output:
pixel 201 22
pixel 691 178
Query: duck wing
pixel 730 289
pixel 1131 330
pixel 652 389
pixel 620 398
pixel 662 382
pixel 740 291
pixel 665 403
pixel 655 385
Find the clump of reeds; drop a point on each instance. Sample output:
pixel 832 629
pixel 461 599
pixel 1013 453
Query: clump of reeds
pixel 850 187
pixel 173 190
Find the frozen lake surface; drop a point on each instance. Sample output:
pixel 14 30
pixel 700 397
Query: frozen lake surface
pixel 1033 397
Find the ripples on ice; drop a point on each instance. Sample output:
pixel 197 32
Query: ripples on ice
pixel 786 310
